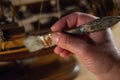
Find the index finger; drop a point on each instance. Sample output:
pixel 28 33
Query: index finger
pixel 72 20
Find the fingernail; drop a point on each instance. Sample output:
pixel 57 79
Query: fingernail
pixel 63 56
pixel 52 28
pixel 56 37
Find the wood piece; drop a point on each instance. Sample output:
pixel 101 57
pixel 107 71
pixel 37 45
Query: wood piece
pixel 24 2
pixel 48 67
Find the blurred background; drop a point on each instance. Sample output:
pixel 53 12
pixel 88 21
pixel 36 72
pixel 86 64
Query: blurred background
pixel 19 18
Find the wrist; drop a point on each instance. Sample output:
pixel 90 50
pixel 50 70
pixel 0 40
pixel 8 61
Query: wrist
pixel 113 74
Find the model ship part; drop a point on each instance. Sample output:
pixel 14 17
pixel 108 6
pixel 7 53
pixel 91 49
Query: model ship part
pixel 46 40
pixel 2 40
pixel 35 43
pixel 36 17
pixel 99 7
pixel 40 9
pixel 117 5
pixel 11 38
pixel 22 2
pixel 13 45
pixel 11 34
pixel 6 12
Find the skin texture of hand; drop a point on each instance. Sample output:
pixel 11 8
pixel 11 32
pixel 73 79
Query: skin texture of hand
pixel 101 56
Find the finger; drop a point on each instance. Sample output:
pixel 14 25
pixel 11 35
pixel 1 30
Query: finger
pixel 101 36
pixel 58 50
pixel 62 52
pixel 65 22
pixel 65 53
pixel 70 43
pixel 71 21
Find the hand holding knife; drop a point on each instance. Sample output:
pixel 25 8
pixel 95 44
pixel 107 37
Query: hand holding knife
pixel 35 43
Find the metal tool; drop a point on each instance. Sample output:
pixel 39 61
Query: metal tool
pixel 35 43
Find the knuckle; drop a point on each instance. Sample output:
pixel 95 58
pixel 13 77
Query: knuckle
pixel 64 41
pixel 76 13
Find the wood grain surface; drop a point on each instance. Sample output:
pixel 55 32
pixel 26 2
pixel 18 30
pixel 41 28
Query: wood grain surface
pixel 47 67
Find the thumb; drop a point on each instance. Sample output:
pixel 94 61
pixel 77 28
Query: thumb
pixel 70 43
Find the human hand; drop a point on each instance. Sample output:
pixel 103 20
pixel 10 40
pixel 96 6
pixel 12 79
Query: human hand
pixel 101 56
